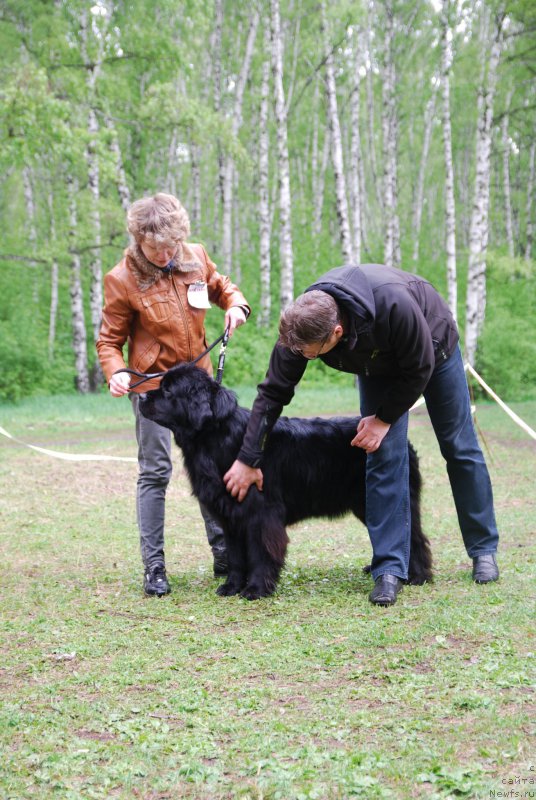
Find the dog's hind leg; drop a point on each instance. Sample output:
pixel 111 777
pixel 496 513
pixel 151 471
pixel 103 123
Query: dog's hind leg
pixel 267 547
pixel 237 565
pixel 420 561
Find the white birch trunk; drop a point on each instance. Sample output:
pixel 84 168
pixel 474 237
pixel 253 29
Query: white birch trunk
pixel 318 203
pixel 450 203
pixel 54 278
pixel 77 299
pixel 356 171
pixel 95 299
pixel 195 174
pixel 478 231
pixel 216 62
pixel 228 173
pixel 389 131
pixel 336 146
pixel 285 234
pixel 370 106
pixel 93 167
pixel 530 198
pixel 506 178
pixel 429 116
pixel 29 203
pixel 263 318
pixel 120 175
pixel 314 143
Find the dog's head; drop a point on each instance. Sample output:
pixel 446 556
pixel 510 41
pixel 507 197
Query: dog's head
pixel 188 400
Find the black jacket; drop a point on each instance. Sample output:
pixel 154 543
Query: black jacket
pixel 399 326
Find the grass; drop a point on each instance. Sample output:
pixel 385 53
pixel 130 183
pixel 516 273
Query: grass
pixel 312 693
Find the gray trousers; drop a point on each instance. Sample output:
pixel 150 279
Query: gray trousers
pixel 154 463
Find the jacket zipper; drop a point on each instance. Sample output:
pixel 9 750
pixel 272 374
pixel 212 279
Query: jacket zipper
pixel 184 318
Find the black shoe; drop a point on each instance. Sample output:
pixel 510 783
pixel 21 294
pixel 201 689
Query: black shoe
pixel 386 590
pixel 155 581
pixel 485 569
pixel 221 566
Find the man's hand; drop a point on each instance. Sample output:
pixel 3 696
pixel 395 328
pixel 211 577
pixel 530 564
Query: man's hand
pixel 239 477
pixel 371 432
pixel 120 384
pixel 234 317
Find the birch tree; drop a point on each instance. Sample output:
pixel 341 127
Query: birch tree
pixel 285 232
pixel 93 167
pixel 120 175
pixel 229 168
pixel 478 231
pixel 77 298
pixel 29 200
pixel 530 199
pixel 263 318
pixel 505 138
pixel 356 166
pixel 450 203
pixel 392 255
pixel 336 144
pixel 54 279
pixel 429 116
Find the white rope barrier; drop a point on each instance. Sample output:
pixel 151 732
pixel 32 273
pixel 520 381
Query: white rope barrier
pixel 500 402
pixel 67 456
pixel 420 401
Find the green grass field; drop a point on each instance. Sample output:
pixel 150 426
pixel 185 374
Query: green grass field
pixel 313 693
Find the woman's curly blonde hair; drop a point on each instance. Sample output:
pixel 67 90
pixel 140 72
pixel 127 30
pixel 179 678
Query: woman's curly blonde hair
pixel 160 220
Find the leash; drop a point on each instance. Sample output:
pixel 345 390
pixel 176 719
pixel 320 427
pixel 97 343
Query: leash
pixel 147 376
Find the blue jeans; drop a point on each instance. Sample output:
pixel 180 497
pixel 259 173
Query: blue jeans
pixel 154 464
pixel 388 512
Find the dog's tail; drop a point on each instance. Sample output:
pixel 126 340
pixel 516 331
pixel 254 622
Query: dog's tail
pixel 421 562
pixel 275 538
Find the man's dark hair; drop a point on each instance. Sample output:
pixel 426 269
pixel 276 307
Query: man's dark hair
pixel 308 320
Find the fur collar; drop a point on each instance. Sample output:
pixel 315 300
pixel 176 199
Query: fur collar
pixel 147 274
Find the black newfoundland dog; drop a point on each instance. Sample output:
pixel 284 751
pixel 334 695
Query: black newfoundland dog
pixel 310 470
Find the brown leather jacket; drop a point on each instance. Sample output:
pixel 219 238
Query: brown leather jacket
pixel 149 309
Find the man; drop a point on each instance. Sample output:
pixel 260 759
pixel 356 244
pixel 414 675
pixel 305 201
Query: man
pixel 395 332
pixel 156 300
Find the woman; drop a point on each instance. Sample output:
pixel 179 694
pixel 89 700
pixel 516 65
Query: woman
pixel 156 299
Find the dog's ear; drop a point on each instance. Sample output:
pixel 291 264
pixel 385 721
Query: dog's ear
pixel 199 410
pixel 223 403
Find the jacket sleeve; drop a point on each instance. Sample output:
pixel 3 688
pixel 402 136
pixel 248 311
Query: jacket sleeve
pixel 221 290
pixel 117 317
pixel 408 336
pixel 277 390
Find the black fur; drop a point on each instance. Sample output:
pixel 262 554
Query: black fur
pixel 310 470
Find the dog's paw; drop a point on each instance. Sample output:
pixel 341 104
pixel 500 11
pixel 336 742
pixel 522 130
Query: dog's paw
pixel 228 589
pixel 419 580
pixel 251 593
pixel 255 592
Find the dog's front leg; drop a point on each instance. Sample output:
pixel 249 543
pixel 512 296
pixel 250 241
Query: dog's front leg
pixel 236 564
pixel 267 546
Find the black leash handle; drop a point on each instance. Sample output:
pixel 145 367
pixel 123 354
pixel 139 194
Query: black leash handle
pixel 221 357
pixel 147 376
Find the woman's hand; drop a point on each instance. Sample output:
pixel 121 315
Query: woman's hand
pixel 120 384
pixel 234 317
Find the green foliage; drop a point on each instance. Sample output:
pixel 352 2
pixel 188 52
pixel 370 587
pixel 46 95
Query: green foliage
pixel 507 348
pixel 151 77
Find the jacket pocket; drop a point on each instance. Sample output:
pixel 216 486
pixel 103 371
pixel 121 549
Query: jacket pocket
pixel 147 357
pixel 157 308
